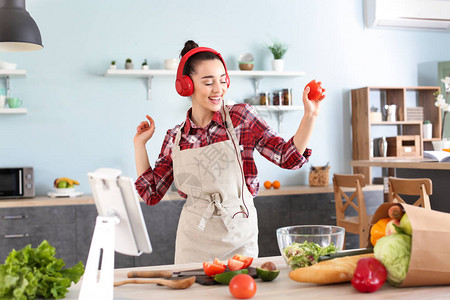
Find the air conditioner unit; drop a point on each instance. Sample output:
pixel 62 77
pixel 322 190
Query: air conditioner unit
pixel 408 14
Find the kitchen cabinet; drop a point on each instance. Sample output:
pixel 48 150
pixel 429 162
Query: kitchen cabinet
pixel 273 212
pixel 364 129
pixel 20 226
pixel 7 74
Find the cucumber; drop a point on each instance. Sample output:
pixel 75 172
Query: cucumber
pixel 225 277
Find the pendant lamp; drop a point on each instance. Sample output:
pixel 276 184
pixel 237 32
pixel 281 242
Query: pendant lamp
pixel 18 31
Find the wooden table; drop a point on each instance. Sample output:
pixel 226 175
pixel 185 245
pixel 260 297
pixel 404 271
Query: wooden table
pixel 406 163
pixel 281 288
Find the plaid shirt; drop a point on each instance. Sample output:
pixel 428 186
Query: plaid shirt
pixel 251 131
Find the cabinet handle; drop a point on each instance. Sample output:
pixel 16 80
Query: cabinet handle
pixel 16 236
pixel 14 217
pixel 333 217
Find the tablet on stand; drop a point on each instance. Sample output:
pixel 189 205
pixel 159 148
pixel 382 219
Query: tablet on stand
pixel 120 227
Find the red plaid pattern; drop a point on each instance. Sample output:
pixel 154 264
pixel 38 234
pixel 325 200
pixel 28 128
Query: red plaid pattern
pixel 252 132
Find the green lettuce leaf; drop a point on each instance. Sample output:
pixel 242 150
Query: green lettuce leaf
pixel 300 255
pixel 30 273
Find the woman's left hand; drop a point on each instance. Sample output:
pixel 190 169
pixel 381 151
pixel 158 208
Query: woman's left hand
pixel 311 107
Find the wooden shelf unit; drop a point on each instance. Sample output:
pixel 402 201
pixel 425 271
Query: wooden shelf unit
pixel 363 98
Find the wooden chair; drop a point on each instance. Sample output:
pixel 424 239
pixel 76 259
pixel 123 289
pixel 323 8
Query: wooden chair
pixel 359 224
pixel 421 187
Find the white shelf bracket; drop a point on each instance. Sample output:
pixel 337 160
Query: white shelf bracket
pixel 280 120
pixel 149 87
pixel 256 81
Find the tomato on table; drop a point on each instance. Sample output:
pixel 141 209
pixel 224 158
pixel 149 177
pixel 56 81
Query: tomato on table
pixel 242 286
pixel 212 269
pixel 247 260
pixel 315 90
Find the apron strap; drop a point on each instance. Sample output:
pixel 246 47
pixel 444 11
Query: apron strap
pixel 178 137
pixel 216 202
pixel 229 124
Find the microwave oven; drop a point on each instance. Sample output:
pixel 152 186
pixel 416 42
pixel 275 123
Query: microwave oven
pixel 16 182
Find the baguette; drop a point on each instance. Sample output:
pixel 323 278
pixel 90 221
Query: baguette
pixel 329 271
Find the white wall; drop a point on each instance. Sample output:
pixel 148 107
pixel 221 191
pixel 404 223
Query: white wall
pixel 78 120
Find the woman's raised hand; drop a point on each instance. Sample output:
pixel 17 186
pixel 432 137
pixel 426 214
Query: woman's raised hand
pixel 311 106
pixel 144 131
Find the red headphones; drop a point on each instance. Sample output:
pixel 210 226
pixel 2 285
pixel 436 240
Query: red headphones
pixel 183 83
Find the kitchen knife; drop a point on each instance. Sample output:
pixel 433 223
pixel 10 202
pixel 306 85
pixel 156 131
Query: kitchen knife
pixel 164 273
pixel 343 253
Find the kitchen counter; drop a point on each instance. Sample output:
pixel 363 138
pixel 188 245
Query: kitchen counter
pixel 281 288
pixel 87 199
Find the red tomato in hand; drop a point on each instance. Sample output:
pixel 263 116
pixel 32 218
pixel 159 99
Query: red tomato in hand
pixel 242 286
pixel 315 90
pixel 212 269
pixel 234 264
pixel 247 260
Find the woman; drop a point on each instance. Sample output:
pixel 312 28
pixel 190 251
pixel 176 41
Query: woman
pixel 209 157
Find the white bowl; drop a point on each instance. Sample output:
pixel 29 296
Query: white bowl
pixel 246 58
pixel 66 190
pixel 7 66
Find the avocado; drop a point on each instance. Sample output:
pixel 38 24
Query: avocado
pixel 267 275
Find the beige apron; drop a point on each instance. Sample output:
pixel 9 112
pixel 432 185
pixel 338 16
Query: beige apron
pixel 211 178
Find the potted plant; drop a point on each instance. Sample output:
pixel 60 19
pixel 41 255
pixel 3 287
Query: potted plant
pixel 129 64
pixel 113 66
pixel 278 50
pixel 144 65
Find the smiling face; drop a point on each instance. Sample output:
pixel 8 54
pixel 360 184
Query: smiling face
pixel 210 87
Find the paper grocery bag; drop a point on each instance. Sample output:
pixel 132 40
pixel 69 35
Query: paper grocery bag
pixel 430 250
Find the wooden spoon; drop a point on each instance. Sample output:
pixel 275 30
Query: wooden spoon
pixel 173 284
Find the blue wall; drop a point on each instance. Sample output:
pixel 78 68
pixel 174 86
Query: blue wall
pixel 78 120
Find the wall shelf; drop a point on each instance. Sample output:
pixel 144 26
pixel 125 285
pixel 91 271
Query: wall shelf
pixel 13 111
pixel 279 110
pixel 256 76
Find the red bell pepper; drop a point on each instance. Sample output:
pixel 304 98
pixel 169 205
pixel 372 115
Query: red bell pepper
pixel 369 275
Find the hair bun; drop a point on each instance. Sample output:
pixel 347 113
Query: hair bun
pixel 189 45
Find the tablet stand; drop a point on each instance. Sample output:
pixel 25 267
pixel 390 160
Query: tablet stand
pixel 99 284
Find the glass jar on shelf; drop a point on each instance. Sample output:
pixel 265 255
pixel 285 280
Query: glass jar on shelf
pixel 287 96
pixel 277 98
pixel 264 99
